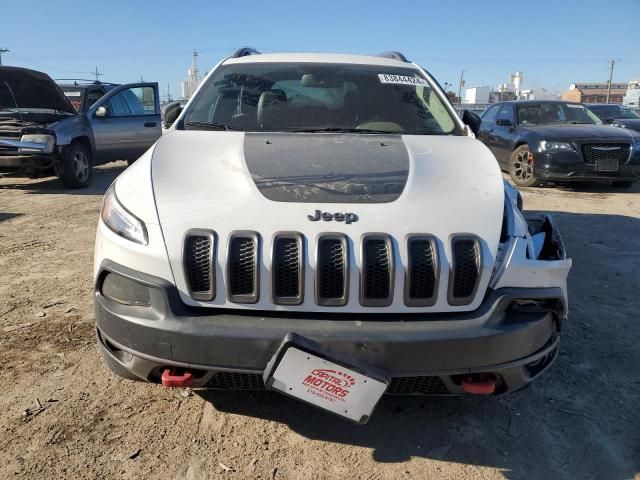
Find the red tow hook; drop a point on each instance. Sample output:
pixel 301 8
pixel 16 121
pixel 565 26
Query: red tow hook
pixel 176 377
pixel 479 383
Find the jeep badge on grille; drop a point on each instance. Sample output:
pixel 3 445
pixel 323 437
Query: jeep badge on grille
pixel 338 217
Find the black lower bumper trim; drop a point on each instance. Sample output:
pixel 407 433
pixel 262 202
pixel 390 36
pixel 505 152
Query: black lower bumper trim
pixel 494 337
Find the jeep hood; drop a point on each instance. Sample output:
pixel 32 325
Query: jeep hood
pixel 269 183
pixel 26 89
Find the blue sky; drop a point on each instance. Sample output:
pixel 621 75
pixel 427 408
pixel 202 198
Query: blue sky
pixel 553 42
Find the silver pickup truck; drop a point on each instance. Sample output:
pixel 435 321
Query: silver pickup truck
pixel 40 130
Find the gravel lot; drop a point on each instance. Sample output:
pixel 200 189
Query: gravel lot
pixel 63 415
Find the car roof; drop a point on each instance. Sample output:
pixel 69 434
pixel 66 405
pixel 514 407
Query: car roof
pixel 319 58
pixel 604 105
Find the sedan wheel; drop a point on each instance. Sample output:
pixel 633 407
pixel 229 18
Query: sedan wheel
pixel 521 167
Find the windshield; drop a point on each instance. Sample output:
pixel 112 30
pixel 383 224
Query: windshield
pixel 312 97
pixel 555 113
pixel 614 111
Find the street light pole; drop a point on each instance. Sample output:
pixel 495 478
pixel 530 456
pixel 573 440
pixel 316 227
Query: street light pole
pixel 612 63
pixel 460 87
pixel 2 50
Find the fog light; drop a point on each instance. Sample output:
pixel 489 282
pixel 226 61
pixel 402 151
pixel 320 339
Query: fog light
pixel 125 291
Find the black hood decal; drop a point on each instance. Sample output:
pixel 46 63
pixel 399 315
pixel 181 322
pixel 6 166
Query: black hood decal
pixel 31 89
pixel 327 168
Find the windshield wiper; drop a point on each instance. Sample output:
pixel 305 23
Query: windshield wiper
pixel 198 125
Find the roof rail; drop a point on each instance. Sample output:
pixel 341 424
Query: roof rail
pixel 244 52
pixel 84 81
pixel 394 56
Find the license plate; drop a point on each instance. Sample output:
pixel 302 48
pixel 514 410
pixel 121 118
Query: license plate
pixel 607 165
pixel 315 378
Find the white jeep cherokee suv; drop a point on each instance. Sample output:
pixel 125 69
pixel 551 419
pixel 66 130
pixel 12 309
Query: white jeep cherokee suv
pixel 320 224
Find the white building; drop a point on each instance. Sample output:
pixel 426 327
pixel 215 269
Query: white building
pixel 479 94
pixel 538 94
pixel 632 98
pixel 190 85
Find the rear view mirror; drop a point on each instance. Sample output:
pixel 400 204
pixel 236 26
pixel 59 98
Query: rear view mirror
pixel 473 120
pixel 503 122
pixel 170 113
pixel 102 112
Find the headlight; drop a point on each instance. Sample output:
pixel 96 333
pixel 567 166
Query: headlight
pixel 120 220
pixel 556 146
pixel 37 143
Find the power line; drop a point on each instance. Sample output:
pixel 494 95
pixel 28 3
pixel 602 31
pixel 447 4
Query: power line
pixel 97 74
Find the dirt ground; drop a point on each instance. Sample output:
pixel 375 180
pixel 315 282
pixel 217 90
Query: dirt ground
pixel 63 415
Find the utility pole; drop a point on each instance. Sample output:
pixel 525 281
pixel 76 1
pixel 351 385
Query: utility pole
pixel 2 50
pixel 612 64
pixel 460 87
pixel 169 99
pixel 97 74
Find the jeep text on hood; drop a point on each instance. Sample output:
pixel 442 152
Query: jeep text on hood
pixel 324 213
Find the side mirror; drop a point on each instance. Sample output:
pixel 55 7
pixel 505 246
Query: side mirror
pixel 608 120
pixel 102 112
pixel 170 113
pixel 473 120
pixel 503 122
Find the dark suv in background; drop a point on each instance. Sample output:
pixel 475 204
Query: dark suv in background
pixel 83 93
pixel 616 115
pixel 546 141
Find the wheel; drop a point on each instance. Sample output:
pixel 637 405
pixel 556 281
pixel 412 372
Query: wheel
pixel 521 167
pixel 75 168
pixel 622 184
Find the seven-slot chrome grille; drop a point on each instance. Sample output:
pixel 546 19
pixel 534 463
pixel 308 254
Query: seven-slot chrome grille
pixel 378 259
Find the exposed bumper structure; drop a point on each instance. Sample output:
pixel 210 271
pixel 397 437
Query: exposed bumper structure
pixel 512 340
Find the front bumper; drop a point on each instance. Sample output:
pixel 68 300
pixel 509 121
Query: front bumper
pixel 568 166
pixel 512 342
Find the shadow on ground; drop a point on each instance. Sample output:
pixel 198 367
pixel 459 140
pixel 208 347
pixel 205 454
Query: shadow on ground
pixel 102 178
pixel 578 421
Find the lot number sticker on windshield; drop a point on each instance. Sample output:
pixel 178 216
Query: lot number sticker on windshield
pixel 401 79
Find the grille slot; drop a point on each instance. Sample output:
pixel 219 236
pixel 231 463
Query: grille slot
pixel 287 267
pixel 376 280
pixel 606 154
pixel 198 259
pixel 421 279
pixel 242 268
pixel 332 271
pixel 417 386
pixel 236 381
pixel 465 274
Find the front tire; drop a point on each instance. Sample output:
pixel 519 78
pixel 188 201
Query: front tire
pixel 521 167
pixel 75 168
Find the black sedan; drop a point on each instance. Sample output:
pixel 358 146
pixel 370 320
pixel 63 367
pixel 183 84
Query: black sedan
pixel 616 115
pixel 547 141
